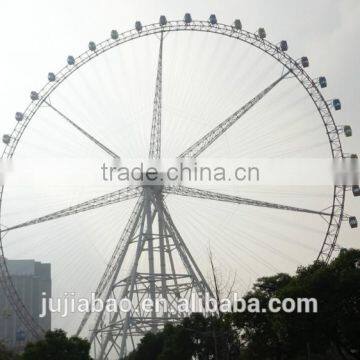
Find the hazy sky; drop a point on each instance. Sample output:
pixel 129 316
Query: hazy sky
pixel 37 36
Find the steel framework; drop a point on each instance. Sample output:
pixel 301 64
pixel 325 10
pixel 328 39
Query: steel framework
pixel 150 228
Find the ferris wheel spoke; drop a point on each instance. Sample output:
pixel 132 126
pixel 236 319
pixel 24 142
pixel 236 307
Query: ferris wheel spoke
pixel 202 144
pixel 210 195
pixel 95 141
pixel 98 202
pixel 155 139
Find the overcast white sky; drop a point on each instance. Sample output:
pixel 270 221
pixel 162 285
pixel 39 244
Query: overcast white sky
pixel 36 37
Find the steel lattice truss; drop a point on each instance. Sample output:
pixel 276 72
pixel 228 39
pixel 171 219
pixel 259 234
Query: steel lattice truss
pixel 155 138
pixel 150 229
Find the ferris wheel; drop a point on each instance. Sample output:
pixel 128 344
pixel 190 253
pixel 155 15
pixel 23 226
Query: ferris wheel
pixel 152 259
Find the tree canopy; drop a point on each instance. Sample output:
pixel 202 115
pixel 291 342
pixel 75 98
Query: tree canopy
pixel 57 346
pixel 6 354
pixel 331 333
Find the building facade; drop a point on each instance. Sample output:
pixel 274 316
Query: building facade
pixel 32 279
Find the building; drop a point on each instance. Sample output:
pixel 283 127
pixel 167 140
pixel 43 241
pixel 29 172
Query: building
pixel 31 279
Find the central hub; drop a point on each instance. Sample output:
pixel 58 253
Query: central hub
pixel 153 177
pixel 150 177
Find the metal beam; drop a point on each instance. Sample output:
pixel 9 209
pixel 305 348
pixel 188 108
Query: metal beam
pixel 95 141
pixel 100 201
pixel 210 195
pixel 155 139
pixel 202 144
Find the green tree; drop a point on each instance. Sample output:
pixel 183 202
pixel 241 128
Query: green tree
pixel 57 346
pixel 6 354
pixel 197 337
pixel 150 347
pixel 331 333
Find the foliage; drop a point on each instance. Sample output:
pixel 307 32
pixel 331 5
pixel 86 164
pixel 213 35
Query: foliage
pixel 57 346
pixel 331 333
pixel 203 338
pixel 6 354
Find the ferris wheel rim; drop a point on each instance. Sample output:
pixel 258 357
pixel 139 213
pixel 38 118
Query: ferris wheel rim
pixel 253 39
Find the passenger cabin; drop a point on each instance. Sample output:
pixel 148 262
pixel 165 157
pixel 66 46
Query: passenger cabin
pixel 212 19
pixel 70 60
pixel 347 130
pixel 284 45
pixel 336 104
pixel 138 26
pixel 322 82
pixel 92 46
pixel 6 139
pixel 305 62
pixel 162 20
pixel 34 96
pixel 187 18
pixel 237 24
pixel 353 222
pixel 51 76
pixel 19 116
pixel 262 33
pixel 356 190
pixel 114 34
